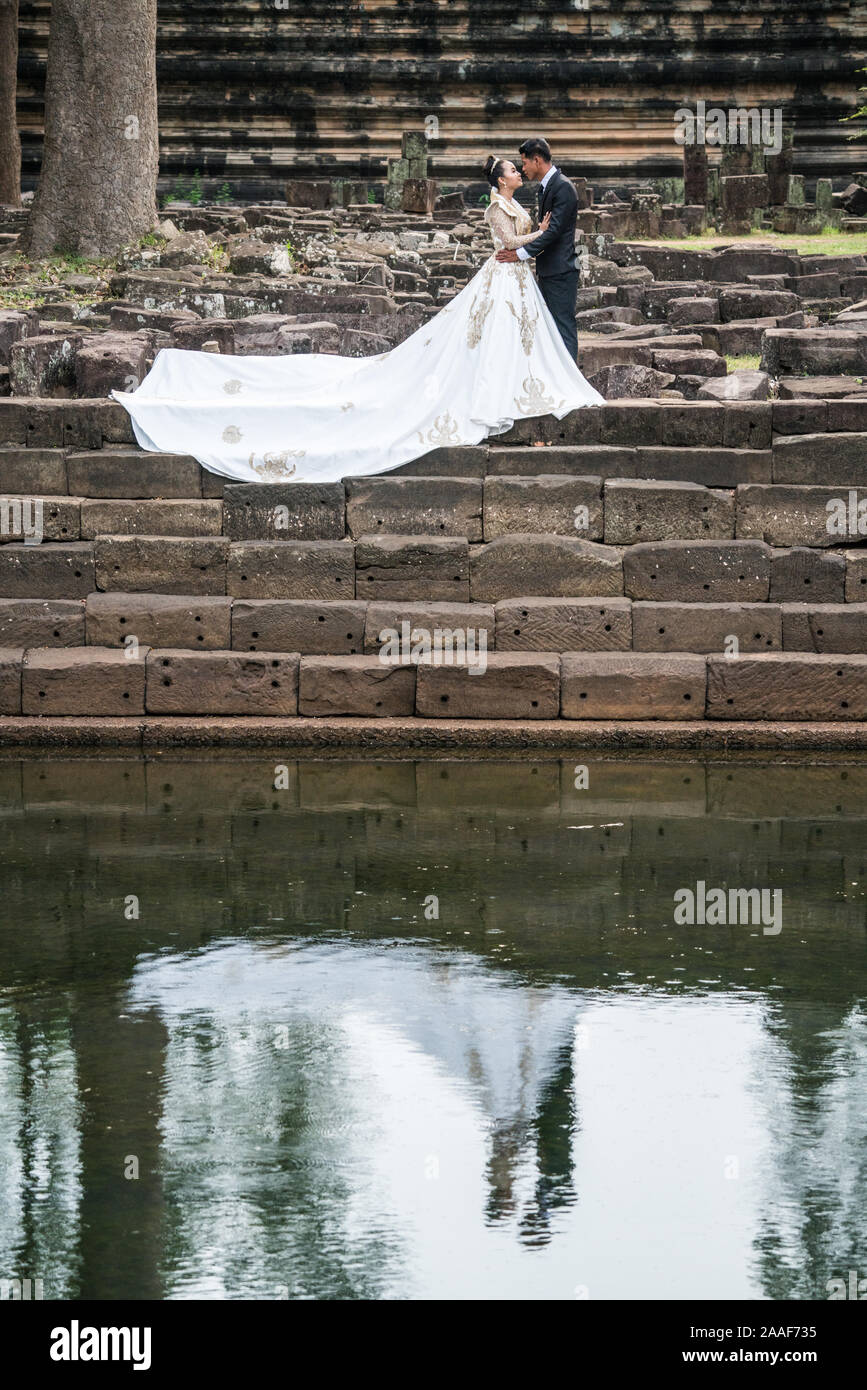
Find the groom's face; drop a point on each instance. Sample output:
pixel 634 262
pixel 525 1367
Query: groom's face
pixel 533 167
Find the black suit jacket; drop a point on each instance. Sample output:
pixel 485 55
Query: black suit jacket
pixel 558 243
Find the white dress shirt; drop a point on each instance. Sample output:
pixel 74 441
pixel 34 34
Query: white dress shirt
pixel 523 253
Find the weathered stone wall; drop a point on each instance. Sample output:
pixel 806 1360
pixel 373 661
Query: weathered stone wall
pixel 257 90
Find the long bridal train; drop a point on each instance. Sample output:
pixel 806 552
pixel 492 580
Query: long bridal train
pixel 490 357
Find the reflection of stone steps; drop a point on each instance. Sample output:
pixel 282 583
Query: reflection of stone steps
pixel 691 576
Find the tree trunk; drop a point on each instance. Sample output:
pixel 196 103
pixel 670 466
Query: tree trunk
pixel 97 189
pixel 10 145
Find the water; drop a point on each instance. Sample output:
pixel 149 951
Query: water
pixel 396 1030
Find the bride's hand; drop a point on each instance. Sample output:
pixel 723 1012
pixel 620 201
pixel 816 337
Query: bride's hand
pixel 545 223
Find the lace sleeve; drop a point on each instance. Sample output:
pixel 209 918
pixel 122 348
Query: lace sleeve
pixel 502 229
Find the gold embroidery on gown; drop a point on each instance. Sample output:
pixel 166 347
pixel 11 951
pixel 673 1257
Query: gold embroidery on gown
pixel 526 321
pixel 534 398
pixel 480 308
pixel 275 466
pixel 444 431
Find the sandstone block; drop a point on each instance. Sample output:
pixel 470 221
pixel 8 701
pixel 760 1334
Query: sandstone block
pixel 786 515
pixel 635 685
pixel 361 686
pixel 158 620
pixel 429 620
pixel 82 681
pixel 150 517
pixel 132 473
pixel 161 564
pixel 547 504
pixel 429 506
pixel 698 571
pixel 40 518
pixel 639 510
pixel 11 661
pixel 36 472
pixel 803 573
pixel 825 627
pixel 716 467
pixel 706 627
pixel 788 686
pixel 42 571
pixel 41 622
pixel 514 686
pixel 856 577
pixel 309 626
pixel 550 566
pixel 291 569
pixel 412 567
pixel 284 511
pixel 222 683
pixel 564 625
pixel 839 459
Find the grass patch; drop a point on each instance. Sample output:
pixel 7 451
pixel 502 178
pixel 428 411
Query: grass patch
pixel 828 243
pixel 743 364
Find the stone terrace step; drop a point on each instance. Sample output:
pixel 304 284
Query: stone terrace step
pixel 317 627
pixel 438 568
pixel 620 511
pixel 89 424
pixel 106 681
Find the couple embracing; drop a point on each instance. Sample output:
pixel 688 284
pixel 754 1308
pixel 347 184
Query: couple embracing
pixel 502 350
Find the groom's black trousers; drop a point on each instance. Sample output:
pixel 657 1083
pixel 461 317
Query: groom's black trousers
pixel 560 293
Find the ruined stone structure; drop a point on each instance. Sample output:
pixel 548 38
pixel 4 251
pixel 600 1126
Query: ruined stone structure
pixel 257 91
pixel 616 561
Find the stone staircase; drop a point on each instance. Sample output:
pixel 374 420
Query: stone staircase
pixel 681 562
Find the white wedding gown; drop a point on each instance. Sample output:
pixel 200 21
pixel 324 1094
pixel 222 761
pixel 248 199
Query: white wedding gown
pixel 491 356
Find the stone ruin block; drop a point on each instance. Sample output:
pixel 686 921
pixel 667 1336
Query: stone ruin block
pixel 112 362
pixel 308 193
pixel 419 195
pixel 695 171
pixel 796 195
pixel 16 324
pixel 193 334
pixel 645 215
pixel 44 365
pixel 742 195
pixel 778 168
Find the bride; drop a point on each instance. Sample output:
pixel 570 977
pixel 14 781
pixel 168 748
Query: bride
pixel 493 355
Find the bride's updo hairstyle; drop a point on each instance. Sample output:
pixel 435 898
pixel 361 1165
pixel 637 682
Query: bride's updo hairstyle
pixel 494 170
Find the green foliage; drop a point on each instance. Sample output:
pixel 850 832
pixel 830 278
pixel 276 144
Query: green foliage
pixel 485 200
pixel 748 363
pixel 225 194
pixel 291 252
pixel 859 115
pixel 180 193
pixel 371 196
pixel 217 258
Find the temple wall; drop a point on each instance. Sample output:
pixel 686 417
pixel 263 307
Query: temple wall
pixel 254 92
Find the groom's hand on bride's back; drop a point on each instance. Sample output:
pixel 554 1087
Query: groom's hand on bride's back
pixel 506 256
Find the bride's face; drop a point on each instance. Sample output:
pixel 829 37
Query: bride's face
pixel 510 179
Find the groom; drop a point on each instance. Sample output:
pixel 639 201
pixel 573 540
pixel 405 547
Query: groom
pixel 557 273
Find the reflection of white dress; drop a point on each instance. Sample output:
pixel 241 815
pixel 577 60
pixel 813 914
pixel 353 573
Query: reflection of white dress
pixel 490 357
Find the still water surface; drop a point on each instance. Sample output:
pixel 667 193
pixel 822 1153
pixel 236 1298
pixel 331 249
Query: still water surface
pixel 397 1030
